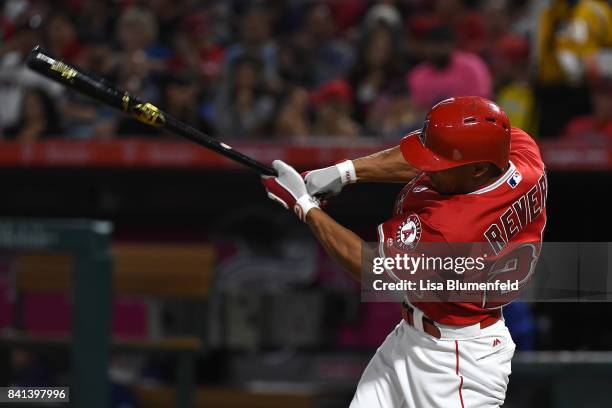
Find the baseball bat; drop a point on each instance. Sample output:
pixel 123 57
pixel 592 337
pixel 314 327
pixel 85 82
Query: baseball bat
pixel 103 91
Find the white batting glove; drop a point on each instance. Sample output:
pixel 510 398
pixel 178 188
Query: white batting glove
pixel 289 190
pixel 329 181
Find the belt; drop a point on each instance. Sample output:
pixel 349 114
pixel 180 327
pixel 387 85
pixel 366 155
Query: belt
pixel 429 326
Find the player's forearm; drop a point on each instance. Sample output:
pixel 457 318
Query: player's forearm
pixel 343 245
pixel 385 166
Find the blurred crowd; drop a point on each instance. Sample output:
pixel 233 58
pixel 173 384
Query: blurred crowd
pixel 280 69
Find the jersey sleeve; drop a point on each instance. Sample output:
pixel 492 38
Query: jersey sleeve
pixel 522 145
pixel 520 140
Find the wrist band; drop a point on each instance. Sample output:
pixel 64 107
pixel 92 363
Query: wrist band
pixel 347 172
pixel 304 204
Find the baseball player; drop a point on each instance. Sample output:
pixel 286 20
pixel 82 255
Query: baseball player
pixel 471 178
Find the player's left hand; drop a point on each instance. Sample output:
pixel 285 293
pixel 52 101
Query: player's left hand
pixel 289 189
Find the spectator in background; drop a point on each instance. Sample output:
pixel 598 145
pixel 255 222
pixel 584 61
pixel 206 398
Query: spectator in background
pixel 381 101
pixel 514 91
pixel 136 30
pixel 495 16
pixel 256 42
pixel 329 57
pixel 83 118
pixel 61 38
pixel 39 118
pixel 293 120
pixel 196 49
pixel 333 105
pixel 377 71
pixel 383 14
pixel 293 66
pixel 136 35
pixel 446 71
pixel 15 77
pixel 244 108
pixel 137 64
pixel 347 13
pixel 393 116
pixel 169 15
pixel 464 21
pixel 598 125
pixel 95 18
pixel 569 32
pixel 180 94
pixel 523 16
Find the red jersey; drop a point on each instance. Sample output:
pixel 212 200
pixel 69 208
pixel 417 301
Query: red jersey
pixel 511 210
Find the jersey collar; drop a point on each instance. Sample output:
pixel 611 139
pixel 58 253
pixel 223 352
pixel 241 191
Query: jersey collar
pixel 501 180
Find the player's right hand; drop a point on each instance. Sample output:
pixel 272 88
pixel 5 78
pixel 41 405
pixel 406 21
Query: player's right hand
pixel 329 181
pixel 289 190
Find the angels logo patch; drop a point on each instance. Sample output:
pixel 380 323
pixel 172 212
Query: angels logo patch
pixel 409 232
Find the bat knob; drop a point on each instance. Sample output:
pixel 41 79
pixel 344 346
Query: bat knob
pixel 33 60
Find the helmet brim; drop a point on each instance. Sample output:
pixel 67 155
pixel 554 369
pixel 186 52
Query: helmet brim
pixel 422 158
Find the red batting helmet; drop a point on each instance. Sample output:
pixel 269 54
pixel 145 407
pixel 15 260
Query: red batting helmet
pixel 458 131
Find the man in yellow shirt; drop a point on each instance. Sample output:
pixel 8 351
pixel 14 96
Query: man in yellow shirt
pixel 570 33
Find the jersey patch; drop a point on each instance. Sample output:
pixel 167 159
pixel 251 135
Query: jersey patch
pixel 409 233
pixel 515 179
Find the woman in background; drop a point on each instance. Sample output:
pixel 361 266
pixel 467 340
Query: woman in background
pixel 39 118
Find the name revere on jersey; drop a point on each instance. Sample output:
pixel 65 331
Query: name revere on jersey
pixel 511 210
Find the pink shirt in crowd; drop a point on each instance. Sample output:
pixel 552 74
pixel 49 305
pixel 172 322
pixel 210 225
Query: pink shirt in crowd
pixel 467 74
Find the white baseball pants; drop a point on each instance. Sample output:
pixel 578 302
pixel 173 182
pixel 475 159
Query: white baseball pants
pixel 467 368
